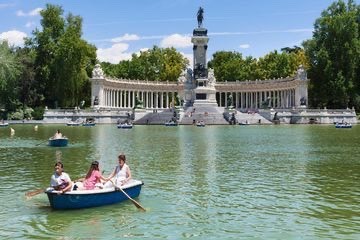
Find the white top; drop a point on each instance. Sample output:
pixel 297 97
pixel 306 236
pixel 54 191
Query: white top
pixel 57 180
pixel 120 173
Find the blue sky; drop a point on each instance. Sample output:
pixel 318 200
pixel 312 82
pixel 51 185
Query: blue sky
pixel 120 28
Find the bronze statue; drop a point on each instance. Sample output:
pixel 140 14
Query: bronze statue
pixel 200 16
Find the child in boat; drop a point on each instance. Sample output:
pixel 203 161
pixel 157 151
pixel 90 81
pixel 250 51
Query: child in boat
pixel 92 179
pixel 60 181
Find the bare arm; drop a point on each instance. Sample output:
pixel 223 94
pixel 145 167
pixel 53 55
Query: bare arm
pixel 110 176
pixel 68 187
pixel 128 174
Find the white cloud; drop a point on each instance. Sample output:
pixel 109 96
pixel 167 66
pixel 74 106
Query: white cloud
pixel 29 24
pixel 190 57
pixel 114 54
pixel 14 37
pixel 244 46
pixel 31 13
pixel 177 41
pixel 295 30
pixel 126 37
pixel 6 5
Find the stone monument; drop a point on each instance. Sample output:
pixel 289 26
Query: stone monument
pixel 97 87
pixel 204 92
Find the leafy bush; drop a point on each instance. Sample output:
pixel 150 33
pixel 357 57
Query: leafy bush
pixel 38 113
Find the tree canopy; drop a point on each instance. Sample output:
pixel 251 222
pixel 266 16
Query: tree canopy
pixel 156 64
pixel 231 66
pixel 334 57
pixel 62 58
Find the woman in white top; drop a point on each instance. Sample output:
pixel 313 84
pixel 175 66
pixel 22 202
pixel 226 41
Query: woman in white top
pixel 58 135
pixel 121 172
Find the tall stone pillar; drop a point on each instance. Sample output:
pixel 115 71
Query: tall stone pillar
pixel 205 93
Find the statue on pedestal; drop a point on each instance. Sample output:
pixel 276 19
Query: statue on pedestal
pixel 230 103
pixel 97 72
pixel 301 73
pixel 200 16
pixel 211 77
pixel 96 101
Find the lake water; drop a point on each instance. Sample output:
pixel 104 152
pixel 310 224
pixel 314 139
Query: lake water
pixel 217 182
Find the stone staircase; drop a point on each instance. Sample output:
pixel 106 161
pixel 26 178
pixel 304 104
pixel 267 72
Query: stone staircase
pixel 251 118
pixel 210 115
pixel 156 117
pixel 190 115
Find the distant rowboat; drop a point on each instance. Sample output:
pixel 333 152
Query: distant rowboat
pixel 58 142
pixel 73 124
pixel 125 125
pixel 171 123
pixel 343 125
pixel 200 124
pixel 4 124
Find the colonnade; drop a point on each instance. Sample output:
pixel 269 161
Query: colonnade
pixel 123 94
pixel 118 98
pixel 259 99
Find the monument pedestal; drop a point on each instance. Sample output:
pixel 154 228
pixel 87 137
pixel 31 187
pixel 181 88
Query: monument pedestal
pixel 205 96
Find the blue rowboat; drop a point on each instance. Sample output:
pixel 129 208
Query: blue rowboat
pixel 343 125
pixel 125 125
pixel 93 198
pixel 58 142
pixel 88 124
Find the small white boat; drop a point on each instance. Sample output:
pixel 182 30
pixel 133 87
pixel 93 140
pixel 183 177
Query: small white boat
pixel 200 124
pixel 72 123
pixel 125 125
pixel 171 123
pixel 4 124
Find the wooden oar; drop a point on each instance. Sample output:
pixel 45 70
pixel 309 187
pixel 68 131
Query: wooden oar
pixel 132 200
pixel 41 143
pixel 35 192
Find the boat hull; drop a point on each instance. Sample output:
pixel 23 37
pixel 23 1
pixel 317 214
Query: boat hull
pixel 343 126
pixel 171 124
pixel 4 124
pixel 74 124
pixel 125 126
pixel 88 124
pixel 92 198
pixel 60 142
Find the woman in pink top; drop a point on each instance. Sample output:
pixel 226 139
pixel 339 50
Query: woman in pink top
pixel 93 178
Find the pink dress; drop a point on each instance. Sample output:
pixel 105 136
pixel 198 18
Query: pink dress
pixel 89 183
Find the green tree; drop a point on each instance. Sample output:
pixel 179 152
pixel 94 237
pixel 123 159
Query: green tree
pixel 62 59
pixel 227 66
pixel 277 65
pixel 231 66
pixel 9 74
pixel 156 64
pixel 334 57
pixel 28 94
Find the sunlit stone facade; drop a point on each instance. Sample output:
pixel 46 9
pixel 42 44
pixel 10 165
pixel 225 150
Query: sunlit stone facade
pixel 110 93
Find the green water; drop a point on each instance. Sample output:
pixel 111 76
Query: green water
pixel 217 182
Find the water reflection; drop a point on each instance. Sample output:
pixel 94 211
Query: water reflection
pixel 259 182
